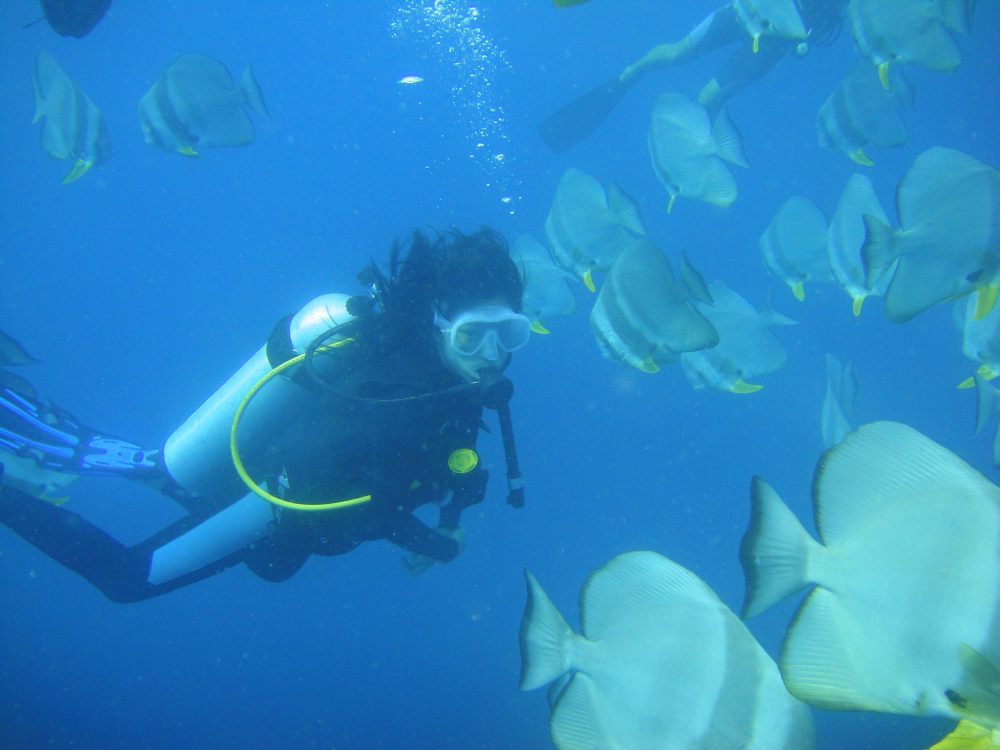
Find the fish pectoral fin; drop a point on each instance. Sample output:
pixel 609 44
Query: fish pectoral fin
pixel 79 169
pixel 968 736
pixel 856 305
pixel 986 299
pixel 537 327
pixel 860 157
pixel 799 290
pixel 648 365
pixel 741 386
pixel 588 280
pixel 188 151
pixel 883 74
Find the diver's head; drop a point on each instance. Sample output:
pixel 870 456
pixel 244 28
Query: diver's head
pixel 460 296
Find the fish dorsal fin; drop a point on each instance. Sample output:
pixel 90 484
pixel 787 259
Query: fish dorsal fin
pixel 251 94
pixel 987 401
pixel 886 464
pixel 728 141
pixel 637 588
pixel 625 209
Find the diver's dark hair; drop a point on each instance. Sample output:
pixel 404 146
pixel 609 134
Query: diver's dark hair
pixel 445 274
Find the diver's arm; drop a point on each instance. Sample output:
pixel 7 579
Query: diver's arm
pixel 408 532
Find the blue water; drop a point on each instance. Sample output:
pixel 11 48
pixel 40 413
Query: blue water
pixel 143 285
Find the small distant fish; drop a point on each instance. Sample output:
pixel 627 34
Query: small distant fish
pixel 588 226
pixel 901 615
pixel 688 150
pixel 746 347
pixel 845 237
pixel 861 113
pixel 987 409
pixel 195 104
pixel 779 18
pixel 410 80
pixel 546 291
pixel 660 662
pixel 980 339
pixel 838 401
pixel 889 32
pixel 643 316
pixel 948 243
pixel 794 245
pixel 74 127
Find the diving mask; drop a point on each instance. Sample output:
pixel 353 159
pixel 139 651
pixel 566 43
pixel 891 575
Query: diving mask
pixel 485 331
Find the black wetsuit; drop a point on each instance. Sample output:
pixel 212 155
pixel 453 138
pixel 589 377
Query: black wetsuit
pixel 382 436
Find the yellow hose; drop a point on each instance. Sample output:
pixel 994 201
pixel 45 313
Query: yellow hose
pixel 238 462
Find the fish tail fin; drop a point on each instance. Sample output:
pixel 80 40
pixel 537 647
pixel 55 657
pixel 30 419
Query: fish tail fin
pixel 774 552
pixel 968 736
pixel 987 401
pixel 251 94
pixel 956 15
pixel 545 636
pixel 728 140
pixel 625 209
pixel 879 250
pixel 39 98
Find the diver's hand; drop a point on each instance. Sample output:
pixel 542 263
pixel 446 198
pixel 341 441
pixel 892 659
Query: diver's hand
pixel 416 564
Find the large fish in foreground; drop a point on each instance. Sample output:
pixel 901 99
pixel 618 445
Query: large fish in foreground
pixel 689 150
pixel 948 243
pixel 661 663
pixel 74 127
pixel 903 615
pixel 195 105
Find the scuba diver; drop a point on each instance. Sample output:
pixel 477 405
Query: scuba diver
pixel 752 60
pixel 356 412
pixel 754 57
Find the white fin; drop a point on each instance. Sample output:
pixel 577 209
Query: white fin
pixel 987 402
pixel 817 662
pixel 728 141
pixel 883 463
pixel 693 282
pixel 625 209
pixel 774 552
pixel 956 14
pixel 544 639
pixel 632 587
pixel 878 251
pixel 575 719
pixel 718 186
pixel 251 93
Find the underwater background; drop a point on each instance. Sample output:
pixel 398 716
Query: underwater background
pixel 142 286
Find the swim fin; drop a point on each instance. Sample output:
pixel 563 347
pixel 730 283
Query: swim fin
pixel 582 116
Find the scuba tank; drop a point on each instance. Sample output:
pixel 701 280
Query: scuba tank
pixel 197 454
